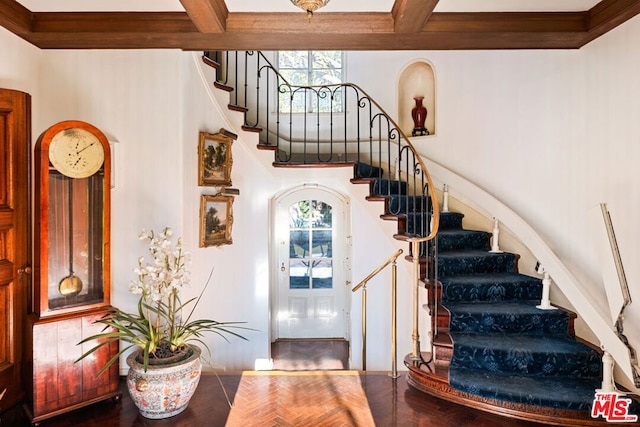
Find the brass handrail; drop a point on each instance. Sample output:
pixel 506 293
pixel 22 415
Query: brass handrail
pixel 394 316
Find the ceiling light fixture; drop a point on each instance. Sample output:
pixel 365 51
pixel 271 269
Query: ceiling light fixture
pixel 310 6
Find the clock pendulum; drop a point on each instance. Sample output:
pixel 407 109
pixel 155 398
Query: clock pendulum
pixel 70 285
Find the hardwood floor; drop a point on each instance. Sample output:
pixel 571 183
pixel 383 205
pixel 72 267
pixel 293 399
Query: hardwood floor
pixel 392 402
pixel 307 355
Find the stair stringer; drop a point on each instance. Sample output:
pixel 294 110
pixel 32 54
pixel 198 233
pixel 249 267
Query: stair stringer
pixel 220 100
pixel 598 322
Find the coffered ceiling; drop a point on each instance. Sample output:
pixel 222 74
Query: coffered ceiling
pixel 342 24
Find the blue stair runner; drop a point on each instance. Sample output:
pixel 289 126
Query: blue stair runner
pixel 504 347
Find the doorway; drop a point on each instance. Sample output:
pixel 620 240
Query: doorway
pixel 312 250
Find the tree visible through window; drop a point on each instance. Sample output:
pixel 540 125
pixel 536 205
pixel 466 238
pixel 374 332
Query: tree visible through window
pixel 311 68
pixel 310 245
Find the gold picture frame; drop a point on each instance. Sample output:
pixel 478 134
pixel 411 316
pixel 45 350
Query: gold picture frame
pixel 216 220
pixel 215 158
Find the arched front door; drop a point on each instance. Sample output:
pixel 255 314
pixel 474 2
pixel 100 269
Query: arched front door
pixel 312 254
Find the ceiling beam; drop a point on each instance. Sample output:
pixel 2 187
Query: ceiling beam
pixel 15 17
pixel 209 16
pixel 409 16
pixel 322 23
pixel 524 22
pixel 608 14
pixel 346 31
pixel 298 41
pixel 111 24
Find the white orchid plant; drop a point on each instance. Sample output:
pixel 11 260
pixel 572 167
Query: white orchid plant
pixel 158 327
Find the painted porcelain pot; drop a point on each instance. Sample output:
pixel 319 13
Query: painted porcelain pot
pixel 165 389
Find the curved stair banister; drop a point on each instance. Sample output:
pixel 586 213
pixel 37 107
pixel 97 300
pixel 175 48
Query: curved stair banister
pixel 343 126
pixel 394 305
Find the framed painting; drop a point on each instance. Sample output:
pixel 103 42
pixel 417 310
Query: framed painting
pixel 216 220
pixel 215 159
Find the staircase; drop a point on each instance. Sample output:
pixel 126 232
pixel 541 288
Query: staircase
pixel 492 348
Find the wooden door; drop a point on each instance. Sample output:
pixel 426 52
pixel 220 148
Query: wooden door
pixel 15 238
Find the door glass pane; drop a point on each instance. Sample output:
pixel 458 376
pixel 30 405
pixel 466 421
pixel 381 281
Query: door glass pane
pixel 322 274
pixel 321 244
pixel 310 245
pixel 298 274
pixel 322 214
pixel 298 243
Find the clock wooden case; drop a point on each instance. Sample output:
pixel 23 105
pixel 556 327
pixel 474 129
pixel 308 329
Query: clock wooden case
pixel 71 271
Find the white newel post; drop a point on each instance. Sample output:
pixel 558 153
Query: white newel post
pixel 495 247
pixel 608 385
pixel 445 198
pixel 545 303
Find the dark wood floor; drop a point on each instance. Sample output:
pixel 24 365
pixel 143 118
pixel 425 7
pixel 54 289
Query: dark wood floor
pixel 392 402
pixel 308 355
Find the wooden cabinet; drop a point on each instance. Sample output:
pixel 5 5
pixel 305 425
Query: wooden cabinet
pixel 71 274
pixel 58 383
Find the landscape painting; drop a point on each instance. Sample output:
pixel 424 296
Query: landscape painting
pixel 215 159
pixel 216 220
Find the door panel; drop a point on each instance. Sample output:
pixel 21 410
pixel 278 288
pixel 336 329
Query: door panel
pixel 15 238
pixel 312 299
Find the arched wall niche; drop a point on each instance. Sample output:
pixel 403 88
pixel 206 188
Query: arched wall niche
pixel 417 79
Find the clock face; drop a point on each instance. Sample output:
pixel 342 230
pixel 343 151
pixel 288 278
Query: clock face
pixel 76 153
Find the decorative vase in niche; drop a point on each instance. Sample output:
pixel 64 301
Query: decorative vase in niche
pixel 419 115
pixel 165 389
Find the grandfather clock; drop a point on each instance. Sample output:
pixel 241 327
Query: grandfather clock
pixel 71 281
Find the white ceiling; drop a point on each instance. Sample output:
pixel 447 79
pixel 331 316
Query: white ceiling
pixel 333 6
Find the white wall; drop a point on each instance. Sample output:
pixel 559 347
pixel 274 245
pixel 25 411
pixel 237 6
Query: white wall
pixel 18 64
pixel 131 97
pixel 612 66
pixel 550 133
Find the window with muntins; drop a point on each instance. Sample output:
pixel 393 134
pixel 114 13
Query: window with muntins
pixel 311 68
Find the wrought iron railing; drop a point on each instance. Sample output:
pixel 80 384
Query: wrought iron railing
pixel 338 125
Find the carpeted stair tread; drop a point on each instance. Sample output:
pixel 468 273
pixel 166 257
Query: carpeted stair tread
pixel 383 187
pixel 417 222
pixel 560 392
pixel 452 240
pixel 364 170
pixel 475 261
pixel 546 355
pixel 506 317
pixel 403 203
pixel 490 287
pixel 559 344
pixel 450 221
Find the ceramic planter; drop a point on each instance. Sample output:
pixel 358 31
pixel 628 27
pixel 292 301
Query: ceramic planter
pixel 164 390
